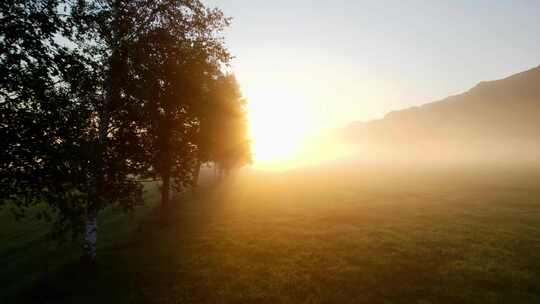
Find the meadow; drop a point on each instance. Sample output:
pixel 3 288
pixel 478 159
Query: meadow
pixel 327 235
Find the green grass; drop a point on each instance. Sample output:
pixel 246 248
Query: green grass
pixel 319 236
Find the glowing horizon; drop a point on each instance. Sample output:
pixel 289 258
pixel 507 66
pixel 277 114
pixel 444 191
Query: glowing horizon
pixel 279 122
pixel 285 133
pixel 306 67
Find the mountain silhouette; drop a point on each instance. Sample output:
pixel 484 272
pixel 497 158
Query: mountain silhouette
pixel 495 120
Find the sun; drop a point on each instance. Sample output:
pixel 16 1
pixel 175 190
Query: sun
pixel 279 123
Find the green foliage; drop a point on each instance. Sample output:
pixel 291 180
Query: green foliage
pixel 47 101
pixel 98 94
pixel 172 61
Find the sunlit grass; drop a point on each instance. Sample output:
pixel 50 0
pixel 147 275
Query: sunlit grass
pixel 345 236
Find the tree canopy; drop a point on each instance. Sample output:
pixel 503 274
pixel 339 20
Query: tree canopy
pixel 97 95
pixel 222 137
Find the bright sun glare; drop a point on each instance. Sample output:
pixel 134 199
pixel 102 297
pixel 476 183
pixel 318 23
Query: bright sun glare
pixel 285 132
pixel 279 124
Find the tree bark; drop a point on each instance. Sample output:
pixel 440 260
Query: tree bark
pixel 166 152
pixel 90 237
pixel 196 174
pixel 165 191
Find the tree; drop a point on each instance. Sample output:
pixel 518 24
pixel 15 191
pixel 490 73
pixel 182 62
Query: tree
pixel 45 97
pixel 64 121
pixel 97 94
pixel 222 136
pixel 102 31
pixel 173 61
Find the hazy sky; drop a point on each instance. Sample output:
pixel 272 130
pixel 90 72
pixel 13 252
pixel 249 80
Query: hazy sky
pixel 341 60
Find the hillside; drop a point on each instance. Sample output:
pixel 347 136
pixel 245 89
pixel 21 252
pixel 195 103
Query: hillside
pixel 498 120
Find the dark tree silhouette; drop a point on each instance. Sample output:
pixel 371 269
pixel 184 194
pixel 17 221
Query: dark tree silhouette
pixel 222 136
pixel 70 123
pixel 95 95
pixel 173 61
pixel 52 109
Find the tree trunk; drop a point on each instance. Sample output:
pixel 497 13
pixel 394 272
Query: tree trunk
pixel 90 237
pixel 166 154
pixel 196 173
pixel 165 191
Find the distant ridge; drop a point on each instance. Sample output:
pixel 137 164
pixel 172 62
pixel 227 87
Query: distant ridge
pixel 494 119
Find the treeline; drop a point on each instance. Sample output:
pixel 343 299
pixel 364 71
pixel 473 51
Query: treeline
pixel 97 96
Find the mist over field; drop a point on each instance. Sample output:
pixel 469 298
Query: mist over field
pixel 496 122
pixel 433 204
pixel 280 152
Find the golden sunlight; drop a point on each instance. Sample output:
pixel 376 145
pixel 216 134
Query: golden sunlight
pixel 285 132
pixel 280 123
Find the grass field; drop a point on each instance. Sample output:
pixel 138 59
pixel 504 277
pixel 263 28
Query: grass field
pixel 362 235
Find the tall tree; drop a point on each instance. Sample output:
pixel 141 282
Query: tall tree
pixel 46 93
pixel 95 94
pixel 103 32
pixel 65 125
pixel 222 135
pixel 173 63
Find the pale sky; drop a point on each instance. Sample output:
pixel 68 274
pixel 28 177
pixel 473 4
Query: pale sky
pixel 312 65
pixel 357 60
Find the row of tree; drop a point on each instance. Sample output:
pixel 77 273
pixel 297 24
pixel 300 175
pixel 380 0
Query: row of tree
pixel 99 95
